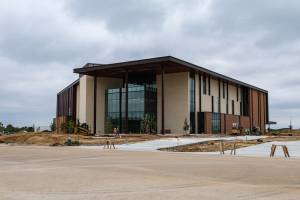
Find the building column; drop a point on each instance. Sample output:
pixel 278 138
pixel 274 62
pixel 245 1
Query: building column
pixel 126 102
pixel 95 103
pixel 162 99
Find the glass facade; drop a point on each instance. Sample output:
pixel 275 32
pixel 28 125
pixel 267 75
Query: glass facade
pixel 212 104
pixel 245 102
pixel 226 106
pixel 148 81
pixel 142 100
pixel 192 102
pixel 215 122
pixel 200 122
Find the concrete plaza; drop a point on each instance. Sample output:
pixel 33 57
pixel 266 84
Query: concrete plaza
pixel 37 172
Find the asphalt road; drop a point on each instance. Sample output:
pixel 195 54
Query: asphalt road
pixel 36 172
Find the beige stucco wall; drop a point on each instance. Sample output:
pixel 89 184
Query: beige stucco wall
pixel 176 101
pixel 86 99
pixel 102 85
pixel 223 100
pixel 214 91
pixel 206 98
pixel 233 96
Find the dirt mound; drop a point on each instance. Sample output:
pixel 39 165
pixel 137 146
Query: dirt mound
pixel 31 138
pixel 47 138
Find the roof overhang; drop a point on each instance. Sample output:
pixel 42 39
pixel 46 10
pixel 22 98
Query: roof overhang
pixel 72 84
pixel 153 65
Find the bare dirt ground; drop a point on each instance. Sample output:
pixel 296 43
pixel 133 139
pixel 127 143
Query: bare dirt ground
pixel 49 139
pixel 46 139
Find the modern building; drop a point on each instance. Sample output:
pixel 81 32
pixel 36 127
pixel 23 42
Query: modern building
pixel 168 90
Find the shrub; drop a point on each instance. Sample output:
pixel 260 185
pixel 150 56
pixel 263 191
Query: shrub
pixel 73 143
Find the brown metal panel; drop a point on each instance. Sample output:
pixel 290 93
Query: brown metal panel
pixel 74 103
pixel 57 106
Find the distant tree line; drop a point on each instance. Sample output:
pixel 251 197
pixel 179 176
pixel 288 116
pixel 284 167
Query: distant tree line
pixel 11 128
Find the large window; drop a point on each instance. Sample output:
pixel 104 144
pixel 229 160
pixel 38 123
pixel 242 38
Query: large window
pixel 227 90
pixel 200 122
pixel 245 102
pixel 133 81
pixel 215 122
pixel 232 107
pixel 141 101
pixel 241 109
pixel 192 102
pixel 212 104
pixel 226 106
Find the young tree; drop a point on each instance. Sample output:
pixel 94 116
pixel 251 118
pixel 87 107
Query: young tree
pixel 33 127
pixel 17 129
pixel 53 126
pixel 63 126
pixel 9 128
pixel 1 126
pixel 186 126
pixel 77 127
pixel 71 125
pixel 153 124
pixel 145 121
pixel 38 129
pixel 108 126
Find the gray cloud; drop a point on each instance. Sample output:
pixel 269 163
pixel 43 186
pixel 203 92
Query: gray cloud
pixel 41 42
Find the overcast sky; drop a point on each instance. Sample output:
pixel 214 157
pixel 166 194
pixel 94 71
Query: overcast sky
pixel 41 42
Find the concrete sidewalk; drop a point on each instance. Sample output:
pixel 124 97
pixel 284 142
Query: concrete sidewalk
pixel 263 149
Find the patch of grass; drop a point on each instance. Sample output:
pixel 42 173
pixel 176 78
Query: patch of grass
pixel 73 143
pixel 55 144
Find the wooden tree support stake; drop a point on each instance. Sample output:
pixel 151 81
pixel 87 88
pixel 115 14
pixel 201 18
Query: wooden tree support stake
pixel 284 148
pixel 222 143
pixel 221 148
pixel 233 148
